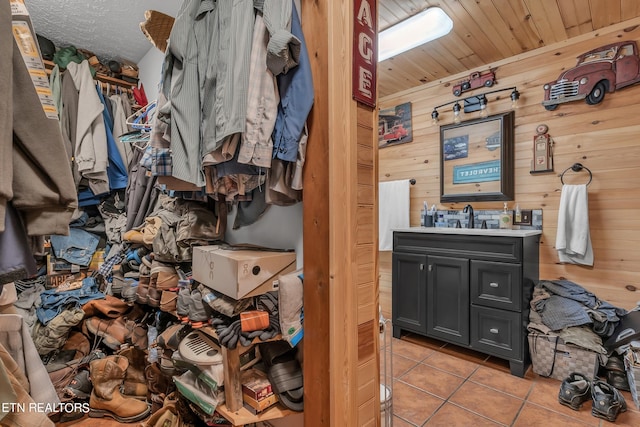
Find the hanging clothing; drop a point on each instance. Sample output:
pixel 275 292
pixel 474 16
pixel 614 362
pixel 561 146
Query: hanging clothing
pixel 31 147
pixel 69 121
pixel 296 100
pixel 120 127
pixel 16 259
pixel 91 153
pixel 205 76
pixel 256 146
pixel 116 169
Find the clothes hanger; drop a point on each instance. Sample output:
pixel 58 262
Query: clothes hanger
pixel 141 119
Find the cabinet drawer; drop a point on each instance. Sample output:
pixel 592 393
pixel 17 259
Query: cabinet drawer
pixel 496 284
pixel 497 332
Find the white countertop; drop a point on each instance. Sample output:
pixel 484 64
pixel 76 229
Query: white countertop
pixel 471 231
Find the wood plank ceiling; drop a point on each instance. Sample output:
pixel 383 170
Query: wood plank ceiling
pixel 485 31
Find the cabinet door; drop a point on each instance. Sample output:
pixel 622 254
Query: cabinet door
pixel 408 293
pixel 448 299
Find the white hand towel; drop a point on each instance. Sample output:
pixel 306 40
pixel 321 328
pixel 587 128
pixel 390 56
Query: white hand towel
pixel 573 239
pixel 393 210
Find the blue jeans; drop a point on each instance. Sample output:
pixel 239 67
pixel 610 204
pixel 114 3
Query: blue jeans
pixel 77 248
pixel 53 301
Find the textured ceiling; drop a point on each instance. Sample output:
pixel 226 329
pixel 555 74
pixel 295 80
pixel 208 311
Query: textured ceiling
pixel 108 28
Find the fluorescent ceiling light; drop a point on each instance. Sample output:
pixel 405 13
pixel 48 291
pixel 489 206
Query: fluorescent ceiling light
pixel 427 25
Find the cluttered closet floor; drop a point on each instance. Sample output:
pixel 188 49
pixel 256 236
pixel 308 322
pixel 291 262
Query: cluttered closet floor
pixel 438 384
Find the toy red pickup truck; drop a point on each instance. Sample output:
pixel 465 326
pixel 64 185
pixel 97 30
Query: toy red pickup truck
pixel 475 80
pixel 598 71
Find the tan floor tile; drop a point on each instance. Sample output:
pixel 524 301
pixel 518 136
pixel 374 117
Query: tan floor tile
pixel 628 419
pixel 410 350
pixel 399 422
pixel 413 405
pixel 536 416
pixel 545 393
pixel 432 380
pixel 455 364
pixel 400 365
pixel 454 416
pixel 490 403
pixel 503 381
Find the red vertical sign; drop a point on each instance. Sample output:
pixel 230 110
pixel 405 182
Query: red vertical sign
pixel 365 51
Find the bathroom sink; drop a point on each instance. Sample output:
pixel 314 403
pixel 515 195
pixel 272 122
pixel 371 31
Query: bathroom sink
pixel 471 231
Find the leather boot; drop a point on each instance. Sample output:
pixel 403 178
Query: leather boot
pixel 110 306
pixel 135 384
pixel 108 375
pixel 114 332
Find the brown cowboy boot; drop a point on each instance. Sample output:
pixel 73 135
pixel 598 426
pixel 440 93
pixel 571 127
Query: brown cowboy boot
pixel 108 375
pixel 135 384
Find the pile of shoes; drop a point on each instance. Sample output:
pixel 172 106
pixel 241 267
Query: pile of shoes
pixel 607 401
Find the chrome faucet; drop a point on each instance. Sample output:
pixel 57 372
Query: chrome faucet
pixel 469 209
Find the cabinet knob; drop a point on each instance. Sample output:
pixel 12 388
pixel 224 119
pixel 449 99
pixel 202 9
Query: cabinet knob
pixel 421 266
pixel 494 285
pixel 494 330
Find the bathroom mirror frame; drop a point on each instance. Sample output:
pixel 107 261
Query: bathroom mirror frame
pixel 477 159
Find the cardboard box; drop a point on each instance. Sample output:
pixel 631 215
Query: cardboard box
pixel 632 366
pixel 255 384
pixel 240 273
pixel 257 406
pixel 27 43
pixel 552 357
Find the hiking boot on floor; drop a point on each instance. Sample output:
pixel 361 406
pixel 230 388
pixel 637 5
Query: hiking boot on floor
pixel 574 391
pixel 608 402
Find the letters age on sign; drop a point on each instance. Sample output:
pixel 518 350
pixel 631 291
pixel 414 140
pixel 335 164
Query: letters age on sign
pixel 365 52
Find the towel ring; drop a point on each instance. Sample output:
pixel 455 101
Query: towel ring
pixel 576 167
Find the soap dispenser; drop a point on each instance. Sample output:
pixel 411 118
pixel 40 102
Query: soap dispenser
pixel 505 218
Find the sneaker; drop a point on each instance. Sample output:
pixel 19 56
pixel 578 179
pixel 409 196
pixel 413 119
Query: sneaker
pixel 574 391
pixel 80 386
pixel 129 291
pixel 608 402
pixel 198 313
pixel 183 305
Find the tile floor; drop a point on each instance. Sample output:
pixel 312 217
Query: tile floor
pixel 438 384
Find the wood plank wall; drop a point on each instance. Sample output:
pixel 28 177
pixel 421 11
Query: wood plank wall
pixel 341 362
pixel 605 138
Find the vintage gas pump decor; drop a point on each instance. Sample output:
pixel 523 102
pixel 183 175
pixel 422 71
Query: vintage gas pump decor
pixel 542 151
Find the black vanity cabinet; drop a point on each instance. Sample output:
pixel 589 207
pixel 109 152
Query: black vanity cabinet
pixel 472 290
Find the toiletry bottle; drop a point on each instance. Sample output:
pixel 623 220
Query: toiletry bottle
pixel 423 214
pixel 505 218
pixel 517 217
